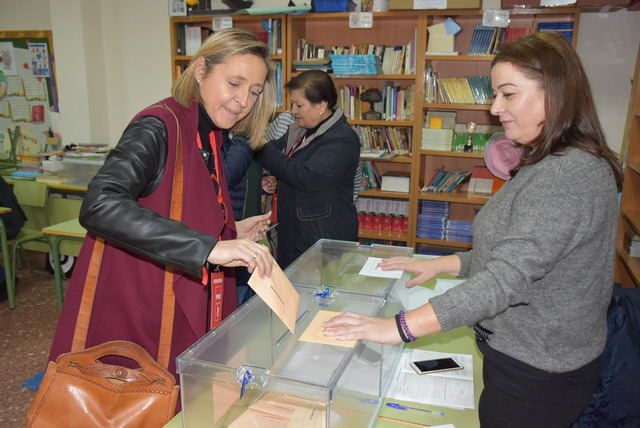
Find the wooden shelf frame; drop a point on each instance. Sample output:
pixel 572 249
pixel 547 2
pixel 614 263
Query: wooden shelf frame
pixel 393 28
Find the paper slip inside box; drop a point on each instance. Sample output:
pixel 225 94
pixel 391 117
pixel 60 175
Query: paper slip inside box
pixel 278 293
pixel 314 333
pixel 371 268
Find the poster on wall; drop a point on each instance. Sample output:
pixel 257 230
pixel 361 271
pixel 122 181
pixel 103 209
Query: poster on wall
pixel 30 98
pixel 39 59
pixel 7 59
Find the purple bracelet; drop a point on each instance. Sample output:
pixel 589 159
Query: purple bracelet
pixel 405 327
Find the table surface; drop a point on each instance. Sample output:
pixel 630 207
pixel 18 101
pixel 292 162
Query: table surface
pixel 70 228
pixel 461 341
pixel 71 183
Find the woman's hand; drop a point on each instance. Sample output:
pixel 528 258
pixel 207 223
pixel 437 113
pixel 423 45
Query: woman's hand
pixel 425 269
pixel 242 252
pixel 269 184
pixel 352 326
pixel 253 228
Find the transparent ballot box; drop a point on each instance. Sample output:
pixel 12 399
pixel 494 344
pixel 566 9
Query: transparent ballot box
pixel 337 265
pixel 252 371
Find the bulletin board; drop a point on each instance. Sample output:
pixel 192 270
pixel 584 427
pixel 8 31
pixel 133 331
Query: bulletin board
pixel 30 99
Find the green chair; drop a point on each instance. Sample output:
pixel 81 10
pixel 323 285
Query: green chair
pixel 32 197
pixel 4 247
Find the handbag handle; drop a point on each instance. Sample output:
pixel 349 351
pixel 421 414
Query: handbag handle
pixel 86 361
pixel 168 297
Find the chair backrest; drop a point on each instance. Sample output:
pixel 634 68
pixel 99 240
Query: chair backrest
pixel 32 197
pixel 31 193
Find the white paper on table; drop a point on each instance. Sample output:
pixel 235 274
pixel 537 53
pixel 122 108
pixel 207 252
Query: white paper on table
pixel 448 389
pixel 371 268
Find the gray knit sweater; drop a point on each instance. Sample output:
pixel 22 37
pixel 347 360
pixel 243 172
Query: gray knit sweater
pixel 541 270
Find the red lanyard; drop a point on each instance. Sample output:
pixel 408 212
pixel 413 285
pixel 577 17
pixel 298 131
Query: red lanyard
pixel 216 278
pixel 215 175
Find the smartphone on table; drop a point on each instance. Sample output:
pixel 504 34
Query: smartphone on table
pixel 435 365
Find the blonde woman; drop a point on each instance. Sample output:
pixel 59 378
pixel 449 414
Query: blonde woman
pixel 228 86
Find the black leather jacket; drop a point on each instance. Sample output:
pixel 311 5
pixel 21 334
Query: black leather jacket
pixel 134 169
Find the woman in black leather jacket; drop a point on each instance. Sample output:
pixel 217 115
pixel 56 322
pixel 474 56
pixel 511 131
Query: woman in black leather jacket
pixel 228 85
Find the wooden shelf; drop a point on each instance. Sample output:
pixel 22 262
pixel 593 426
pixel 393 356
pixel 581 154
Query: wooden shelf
pixel 395 28
pixel 632 264
pixel 472 58
pixel 411 77
pixel 633 218
pixel 447 106
pixel 627 268
pixel 383 236
pixel 397 159
pixel 380 122
pixel 454 197
pixel 472 155
pixel 440 243
pixel 380 194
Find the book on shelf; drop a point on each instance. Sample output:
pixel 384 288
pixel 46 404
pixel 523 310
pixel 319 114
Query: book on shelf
pixel 481 181
pixel 446 181
pixel 439 119
pixel 437 139
pixel 633 244
pixel 370 177
pixel 511 34
pixel 563 27
pixel 394 183
pixel 372 154
pixel 485 40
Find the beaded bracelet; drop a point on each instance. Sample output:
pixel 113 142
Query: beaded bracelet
pixel 405 327
pixel 400 331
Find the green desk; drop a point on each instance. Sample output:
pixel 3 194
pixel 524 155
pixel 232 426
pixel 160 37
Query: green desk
pixel 68 230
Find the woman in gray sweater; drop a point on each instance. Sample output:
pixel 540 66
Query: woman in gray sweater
pixel 540 275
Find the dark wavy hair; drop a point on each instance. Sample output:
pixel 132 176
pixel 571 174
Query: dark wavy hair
pixel 316 85
pixel 570 114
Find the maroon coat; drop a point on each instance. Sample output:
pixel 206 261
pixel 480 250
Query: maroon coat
pixel 128 297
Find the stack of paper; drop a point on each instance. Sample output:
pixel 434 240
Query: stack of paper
pixel 449 389
pixel 437 139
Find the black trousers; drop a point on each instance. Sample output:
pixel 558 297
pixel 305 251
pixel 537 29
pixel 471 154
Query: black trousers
pixel 520 396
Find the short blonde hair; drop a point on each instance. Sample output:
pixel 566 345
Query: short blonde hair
pixel 219 48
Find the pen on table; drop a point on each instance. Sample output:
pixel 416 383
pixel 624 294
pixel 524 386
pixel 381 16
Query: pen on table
pixel 401 407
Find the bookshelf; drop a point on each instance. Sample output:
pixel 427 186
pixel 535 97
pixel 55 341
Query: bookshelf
pixel 627 269
pixel 271 28
pixel 464 205
pixel 390 29
pixel 398 28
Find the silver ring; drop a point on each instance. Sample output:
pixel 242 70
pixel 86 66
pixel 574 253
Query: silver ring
pixel 254 254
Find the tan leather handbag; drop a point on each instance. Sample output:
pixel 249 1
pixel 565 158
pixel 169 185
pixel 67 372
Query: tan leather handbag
pixel 79 390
